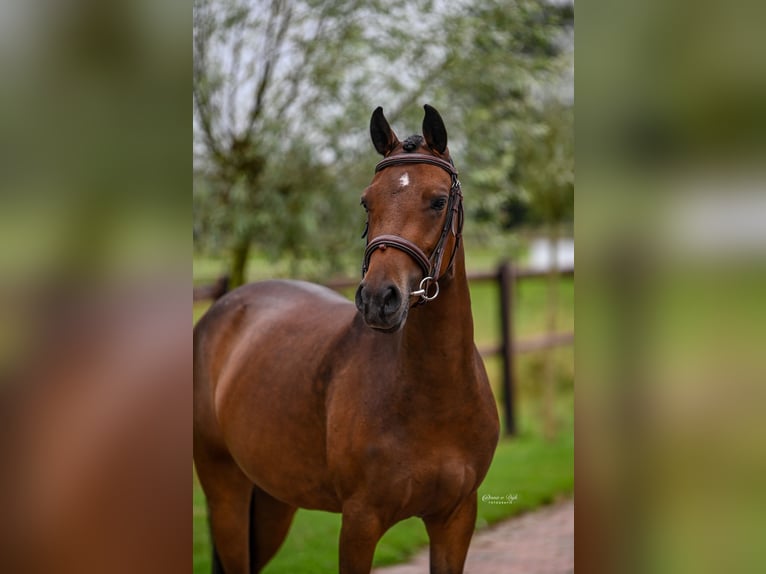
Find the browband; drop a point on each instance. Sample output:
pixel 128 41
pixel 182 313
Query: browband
pixel 417 158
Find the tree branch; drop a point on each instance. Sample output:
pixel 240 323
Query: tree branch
pixel 273 54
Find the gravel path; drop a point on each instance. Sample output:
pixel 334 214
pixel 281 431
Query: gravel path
pixel 539 542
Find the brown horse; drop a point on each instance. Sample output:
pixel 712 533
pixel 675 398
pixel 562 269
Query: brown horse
pixel 380 411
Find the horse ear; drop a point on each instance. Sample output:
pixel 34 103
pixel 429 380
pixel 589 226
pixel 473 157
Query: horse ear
pixel 434 130
pixel 383 137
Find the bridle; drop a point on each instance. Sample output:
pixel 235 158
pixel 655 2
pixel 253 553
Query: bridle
pixel 453 222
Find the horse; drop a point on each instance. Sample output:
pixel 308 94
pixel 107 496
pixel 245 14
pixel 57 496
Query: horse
pixel 379 409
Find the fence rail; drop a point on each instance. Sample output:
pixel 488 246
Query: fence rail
pixel 506 276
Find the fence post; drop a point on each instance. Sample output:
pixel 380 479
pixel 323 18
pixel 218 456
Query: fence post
pixel 506 275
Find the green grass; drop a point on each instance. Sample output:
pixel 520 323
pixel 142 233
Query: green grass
pixel 527 466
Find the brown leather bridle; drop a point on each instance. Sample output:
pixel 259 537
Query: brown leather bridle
pixel 453 222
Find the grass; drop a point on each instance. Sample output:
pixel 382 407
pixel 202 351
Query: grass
pixel 527 466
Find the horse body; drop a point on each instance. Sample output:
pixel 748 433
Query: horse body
pixel 273 318
pixel 300 403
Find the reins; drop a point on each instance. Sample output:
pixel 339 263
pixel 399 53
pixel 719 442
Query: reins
pixel 453 222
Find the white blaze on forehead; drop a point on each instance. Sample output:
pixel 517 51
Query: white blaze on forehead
pixel 404 180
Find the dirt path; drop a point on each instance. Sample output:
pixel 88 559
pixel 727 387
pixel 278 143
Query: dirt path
pixel 539 542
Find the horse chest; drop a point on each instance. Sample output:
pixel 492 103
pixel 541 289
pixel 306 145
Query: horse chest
pixel 419 479
pixel 412 471
pixel 400 440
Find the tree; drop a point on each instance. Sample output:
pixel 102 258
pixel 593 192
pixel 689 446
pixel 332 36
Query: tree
pixel 506 69
pixel 283 90
pixel 282 94
pixel 239 52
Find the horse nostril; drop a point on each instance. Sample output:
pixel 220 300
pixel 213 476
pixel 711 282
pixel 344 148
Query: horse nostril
pixel 358 298
pixel 391 300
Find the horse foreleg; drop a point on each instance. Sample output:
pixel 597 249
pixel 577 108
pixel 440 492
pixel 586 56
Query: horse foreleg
pixel 359 534
pixel 450 538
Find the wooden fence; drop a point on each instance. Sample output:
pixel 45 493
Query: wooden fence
pixel 506 276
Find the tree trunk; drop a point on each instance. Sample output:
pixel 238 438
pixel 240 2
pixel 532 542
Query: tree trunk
pixel 549 371
pixel 238 263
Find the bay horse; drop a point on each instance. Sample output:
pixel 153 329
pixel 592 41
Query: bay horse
pixel 380 410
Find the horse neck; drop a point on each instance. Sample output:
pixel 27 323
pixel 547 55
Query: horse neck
pixel 438 336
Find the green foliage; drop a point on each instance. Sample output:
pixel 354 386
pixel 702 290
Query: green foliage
pixel 505 74
pixel 281 98
pixel 545 168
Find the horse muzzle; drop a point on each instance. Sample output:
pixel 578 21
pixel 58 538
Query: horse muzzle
pixel 382 307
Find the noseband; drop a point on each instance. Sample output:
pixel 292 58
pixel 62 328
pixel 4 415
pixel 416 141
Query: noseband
pixel 453 222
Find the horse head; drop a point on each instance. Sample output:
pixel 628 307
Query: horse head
pixel 414 216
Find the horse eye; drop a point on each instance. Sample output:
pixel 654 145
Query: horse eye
pixel 438 203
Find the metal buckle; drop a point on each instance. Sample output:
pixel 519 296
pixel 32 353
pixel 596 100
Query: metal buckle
pixel 422 291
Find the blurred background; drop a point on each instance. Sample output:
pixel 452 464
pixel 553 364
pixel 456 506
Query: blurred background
pixel 671 244
pixel 95 337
